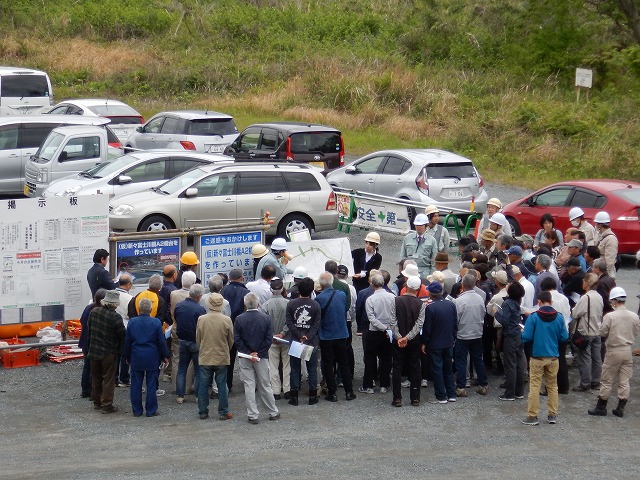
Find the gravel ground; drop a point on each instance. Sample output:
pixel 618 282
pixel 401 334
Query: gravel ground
pixel 49 431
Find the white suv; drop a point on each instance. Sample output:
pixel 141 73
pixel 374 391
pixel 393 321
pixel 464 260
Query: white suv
pixel 24 91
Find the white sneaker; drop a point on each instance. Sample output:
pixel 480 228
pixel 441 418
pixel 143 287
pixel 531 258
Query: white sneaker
pixel 405 384
pixel 366 390
pixel 424 383
pixel 179 400
pixel 383 390
pixel 160 392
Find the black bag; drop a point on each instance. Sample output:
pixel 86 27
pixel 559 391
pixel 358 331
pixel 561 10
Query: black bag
pixel 578 340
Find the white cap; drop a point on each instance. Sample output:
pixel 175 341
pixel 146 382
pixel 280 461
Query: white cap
pixel 617 292
pixel 300 272
pixel 279 244
pixel 602 217
pixel 413 282
pixel 499 218
pixel 575 212
pixel 421 219
pixel 410 270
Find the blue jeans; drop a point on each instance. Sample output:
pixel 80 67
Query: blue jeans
pixel 463 349
pixel 85 380
pixel 312 369
pixel 207 373
pixel 151 401
pixel 122 372
pixel 189 352
pixel 441 368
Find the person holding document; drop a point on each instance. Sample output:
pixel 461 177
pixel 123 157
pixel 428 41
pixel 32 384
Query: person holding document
pixel 302 317
pixel 253 334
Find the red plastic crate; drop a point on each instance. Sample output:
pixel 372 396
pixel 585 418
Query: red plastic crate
pixel 21 358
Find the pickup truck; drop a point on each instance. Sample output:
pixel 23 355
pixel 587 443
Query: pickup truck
pixel 67 150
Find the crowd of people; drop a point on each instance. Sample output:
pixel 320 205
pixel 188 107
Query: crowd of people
pixel 513 308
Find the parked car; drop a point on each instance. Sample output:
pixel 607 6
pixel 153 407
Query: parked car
pixel 297 196
pixel 202 131
pixel 124 119
pixel 131 173
pixel 318 145
pixel 420 175
pixel 22 135
pixel 24 91
pixel 619 198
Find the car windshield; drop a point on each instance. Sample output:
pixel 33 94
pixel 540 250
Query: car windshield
pixel 107 169
pixel 48 148
pixel 315 142
pixel 212 126
pixel 450 170
pixel 631 195
pixel 181 181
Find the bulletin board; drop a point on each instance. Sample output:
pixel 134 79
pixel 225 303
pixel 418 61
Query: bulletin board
pixel 47 247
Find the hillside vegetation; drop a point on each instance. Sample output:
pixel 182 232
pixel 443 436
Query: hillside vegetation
pixel 492 79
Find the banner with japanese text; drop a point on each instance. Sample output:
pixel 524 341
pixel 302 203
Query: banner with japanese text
pixel 222 252
pixel 374 214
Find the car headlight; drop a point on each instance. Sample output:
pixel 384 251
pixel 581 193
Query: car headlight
pixel 123 209
pixel 42 176
pixel 68 192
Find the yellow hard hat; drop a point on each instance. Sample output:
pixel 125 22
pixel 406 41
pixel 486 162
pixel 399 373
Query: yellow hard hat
pixel 189 258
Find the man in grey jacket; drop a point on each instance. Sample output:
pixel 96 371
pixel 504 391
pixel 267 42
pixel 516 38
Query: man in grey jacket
pixel 276 308
pixel 471 310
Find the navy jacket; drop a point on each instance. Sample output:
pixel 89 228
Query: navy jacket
pixel 99 277
pixel 332 318
pixel 144 343
pixel 359 264
pixel 252 332
pixel 440 325
pixel 186 314
pixel 234 293
pixel 362 319
pixel 509 317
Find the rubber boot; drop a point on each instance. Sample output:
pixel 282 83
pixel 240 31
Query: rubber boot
pixel 293 400
pixel 313 397
pixel 619 410
pixel 600 409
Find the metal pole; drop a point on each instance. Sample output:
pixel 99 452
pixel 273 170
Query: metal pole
pixel 39 345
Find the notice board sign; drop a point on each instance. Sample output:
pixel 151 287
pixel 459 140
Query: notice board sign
pixel 47 247
pixel 220 253
pixel 143 258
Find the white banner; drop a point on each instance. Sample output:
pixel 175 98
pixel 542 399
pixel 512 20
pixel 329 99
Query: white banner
pixel 313 254
pixel 374 215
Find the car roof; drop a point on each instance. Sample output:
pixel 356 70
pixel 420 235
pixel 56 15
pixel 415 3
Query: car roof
pixel 90 102
pixel 144 154
pixel 296 127
pixel 424 155
pixel 71 129
pixel 262 166
pixel 4 70
pixel 195 114
pixel 81 119
pixel 603 184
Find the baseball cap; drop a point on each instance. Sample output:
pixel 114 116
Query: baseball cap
pixel 435 287
pixel 413 282
pixel 276 284
pixel 515 250
pixel 501 276
pixel 343 270
pixel 575 243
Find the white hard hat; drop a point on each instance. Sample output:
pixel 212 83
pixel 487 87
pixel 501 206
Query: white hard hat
pixel 602 217
pixel 617 292
pixel 421 219
pixel 431 209
pixel 495 202
pixel 499 218
pixel 372 237
pixel 575 212
pixel 300 272
pixel 279 244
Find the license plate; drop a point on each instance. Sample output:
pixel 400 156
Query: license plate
pixel 317 164
pixel 216 148
pixel 456 193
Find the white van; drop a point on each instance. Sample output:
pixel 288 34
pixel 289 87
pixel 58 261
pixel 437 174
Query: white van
pixel 24 91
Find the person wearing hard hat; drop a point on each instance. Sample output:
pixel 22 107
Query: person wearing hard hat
pixel 364 260
pixel 278 257
pixel 436 230
pixel 258 251
pixel 619 329
pixel 607 242
pixel 494 205
pixel 576 217
pixel 499 224
pixel 188 262
pixel 419 246
pixel 298 274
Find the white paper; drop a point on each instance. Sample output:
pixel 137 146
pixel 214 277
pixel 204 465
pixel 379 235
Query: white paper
pixel 575 297
pixel 390 335
pixel 249 357
pixel 300 350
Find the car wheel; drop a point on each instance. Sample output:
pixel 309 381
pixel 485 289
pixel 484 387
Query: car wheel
pixel 411 213
pixel 293 223
pixel 156 223
pixel 515 227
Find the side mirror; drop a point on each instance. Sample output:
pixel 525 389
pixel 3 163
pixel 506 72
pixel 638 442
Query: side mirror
pixel 124 179
pixel 191 192
pixel 351 170
pixel 139 129
pixel 63 156
pixel 531 201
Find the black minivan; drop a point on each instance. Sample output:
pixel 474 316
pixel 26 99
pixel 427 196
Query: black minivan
pixel 296 142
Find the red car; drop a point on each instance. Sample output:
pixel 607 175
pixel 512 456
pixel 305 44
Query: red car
pixel 620 199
